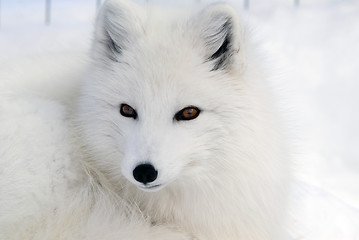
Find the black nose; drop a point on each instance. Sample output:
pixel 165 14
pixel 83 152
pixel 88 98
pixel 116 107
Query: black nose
pixel 145 173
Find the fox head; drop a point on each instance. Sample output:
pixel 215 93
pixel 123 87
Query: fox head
pixel 160 99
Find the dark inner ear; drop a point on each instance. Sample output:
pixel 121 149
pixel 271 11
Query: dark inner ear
pixel 112 48
pixel 222 55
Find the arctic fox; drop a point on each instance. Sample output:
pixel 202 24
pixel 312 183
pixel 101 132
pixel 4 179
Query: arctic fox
pixel 174 135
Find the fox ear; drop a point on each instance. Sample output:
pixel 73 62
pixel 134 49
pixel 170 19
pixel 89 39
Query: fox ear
pixel 219 29
pixel 118 25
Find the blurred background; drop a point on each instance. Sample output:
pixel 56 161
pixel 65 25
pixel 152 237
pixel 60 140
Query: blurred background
pixel 312 46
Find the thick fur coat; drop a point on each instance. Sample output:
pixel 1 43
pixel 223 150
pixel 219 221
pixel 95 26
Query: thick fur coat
pixel 67 164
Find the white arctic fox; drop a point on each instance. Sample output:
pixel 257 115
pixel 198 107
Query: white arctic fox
pixel 174 136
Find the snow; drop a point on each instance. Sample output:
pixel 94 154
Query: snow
pixel 314 50
pixel 317 45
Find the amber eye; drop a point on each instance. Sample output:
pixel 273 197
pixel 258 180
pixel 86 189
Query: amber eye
pixel 187 113
pixel 128 111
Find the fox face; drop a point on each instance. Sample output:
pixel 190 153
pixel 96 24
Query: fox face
pixel 157 103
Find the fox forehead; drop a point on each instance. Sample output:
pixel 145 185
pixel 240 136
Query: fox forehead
pixel 163 87
pixel 163 59
pixel 150 80
pixel 147 74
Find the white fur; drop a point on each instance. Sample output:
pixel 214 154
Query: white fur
pixel 223 175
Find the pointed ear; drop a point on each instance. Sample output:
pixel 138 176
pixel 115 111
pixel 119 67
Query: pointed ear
pixel 118 25
pixel 219 28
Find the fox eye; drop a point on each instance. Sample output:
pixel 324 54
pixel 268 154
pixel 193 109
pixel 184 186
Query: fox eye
pixel 128 111
pixel 187 113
